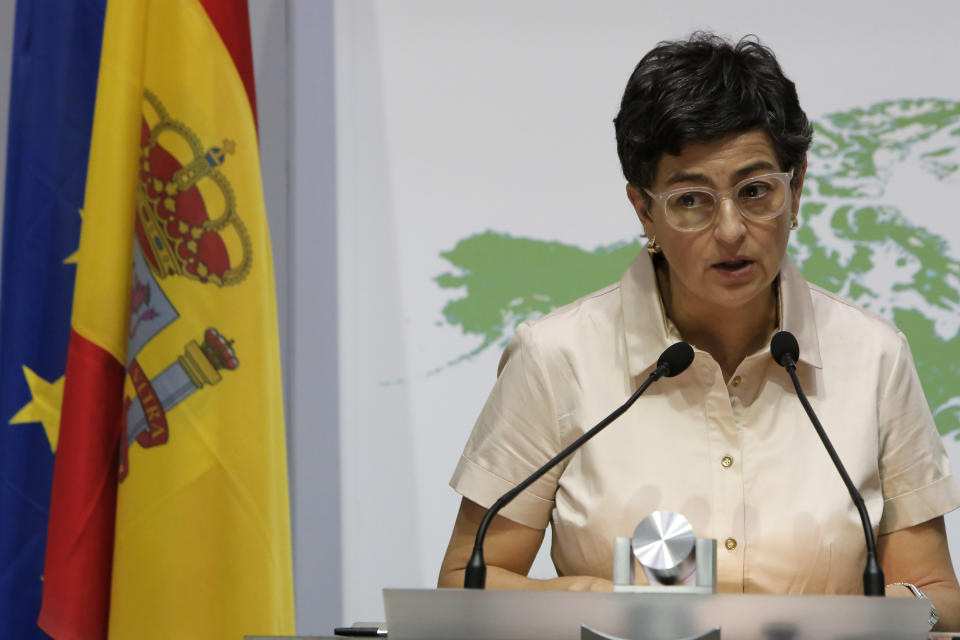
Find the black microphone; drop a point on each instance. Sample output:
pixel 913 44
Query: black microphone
pixel 673 361
pixel 786 352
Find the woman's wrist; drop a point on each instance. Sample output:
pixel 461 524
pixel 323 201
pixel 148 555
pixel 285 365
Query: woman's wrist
pixel 898 590
pixel 913 591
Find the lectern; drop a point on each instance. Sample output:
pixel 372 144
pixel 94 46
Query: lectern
pixel 460 614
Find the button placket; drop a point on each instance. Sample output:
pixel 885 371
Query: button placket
pixel 724 414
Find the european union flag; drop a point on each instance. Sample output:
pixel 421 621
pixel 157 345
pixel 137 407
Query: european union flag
pixel 53 89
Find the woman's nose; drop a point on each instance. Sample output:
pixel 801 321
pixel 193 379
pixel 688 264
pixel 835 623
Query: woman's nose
pixel 730 225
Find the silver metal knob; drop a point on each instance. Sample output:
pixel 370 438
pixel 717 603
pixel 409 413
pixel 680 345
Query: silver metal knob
pixel 663 543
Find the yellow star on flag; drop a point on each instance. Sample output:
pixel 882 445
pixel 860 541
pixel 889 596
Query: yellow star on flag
pixel 44 407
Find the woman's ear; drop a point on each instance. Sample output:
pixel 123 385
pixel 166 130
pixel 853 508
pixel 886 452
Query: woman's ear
pixel 796 186
pixel 639 201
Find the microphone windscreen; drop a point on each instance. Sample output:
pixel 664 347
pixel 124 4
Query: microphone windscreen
pixel 677 357
pixel 782 344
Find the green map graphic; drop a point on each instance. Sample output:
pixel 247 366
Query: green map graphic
pixel 853 240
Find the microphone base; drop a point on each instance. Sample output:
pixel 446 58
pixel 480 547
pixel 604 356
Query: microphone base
pixel 475 575
pixel 873 581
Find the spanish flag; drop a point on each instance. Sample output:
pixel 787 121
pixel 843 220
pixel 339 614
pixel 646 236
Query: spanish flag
pixel 169 509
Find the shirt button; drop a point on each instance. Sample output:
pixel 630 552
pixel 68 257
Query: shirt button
pixel 736 381
pixel 730 544
pixel 726 462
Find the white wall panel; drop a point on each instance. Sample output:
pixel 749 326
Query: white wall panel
pixel 6 60
pixel 459 117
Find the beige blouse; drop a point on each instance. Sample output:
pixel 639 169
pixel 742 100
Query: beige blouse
pixel 740 460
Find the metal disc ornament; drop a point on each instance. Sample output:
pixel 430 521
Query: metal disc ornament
pixel 663 543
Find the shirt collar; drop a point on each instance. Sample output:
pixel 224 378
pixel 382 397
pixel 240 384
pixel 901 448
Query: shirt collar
pixel 649 331
pixel 796 312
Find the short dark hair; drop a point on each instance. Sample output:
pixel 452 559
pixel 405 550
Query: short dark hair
pixel 701 89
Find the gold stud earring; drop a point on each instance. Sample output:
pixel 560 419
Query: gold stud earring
pixel 794 223
pixel 653 247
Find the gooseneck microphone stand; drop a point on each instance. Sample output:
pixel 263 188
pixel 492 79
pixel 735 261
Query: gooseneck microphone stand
pixel 786 352
pixel 674 360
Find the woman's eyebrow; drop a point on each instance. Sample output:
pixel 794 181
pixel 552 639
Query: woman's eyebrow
pixel 687 176
pixel 764 165
pixel 743 172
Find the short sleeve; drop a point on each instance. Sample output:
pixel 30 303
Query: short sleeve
pixel 914 469
pixel 515 434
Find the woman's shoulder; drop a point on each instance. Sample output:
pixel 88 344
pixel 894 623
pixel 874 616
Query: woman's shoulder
pixel 588 324
pixel 601 306
pixel 848 325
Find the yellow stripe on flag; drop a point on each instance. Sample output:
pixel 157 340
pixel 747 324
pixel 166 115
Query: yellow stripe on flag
pixel 202 544
pixel 102 289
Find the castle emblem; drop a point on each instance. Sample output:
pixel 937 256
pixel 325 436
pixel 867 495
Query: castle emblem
pixel 187 223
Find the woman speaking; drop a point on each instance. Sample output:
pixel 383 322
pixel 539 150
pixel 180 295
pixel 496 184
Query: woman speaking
pixel 712 142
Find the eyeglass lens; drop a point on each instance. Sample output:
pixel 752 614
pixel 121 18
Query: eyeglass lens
pixel 760 198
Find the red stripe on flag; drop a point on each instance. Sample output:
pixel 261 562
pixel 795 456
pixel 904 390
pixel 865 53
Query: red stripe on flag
pixel 232 20
pixel 76 586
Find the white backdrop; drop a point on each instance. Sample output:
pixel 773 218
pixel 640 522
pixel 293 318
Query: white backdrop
pixel 457 118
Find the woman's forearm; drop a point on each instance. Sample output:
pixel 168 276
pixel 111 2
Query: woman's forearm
pixel 498 578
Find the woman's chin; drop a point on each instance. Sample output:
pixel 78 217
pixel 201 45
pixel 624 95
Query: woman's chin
pixel 741 300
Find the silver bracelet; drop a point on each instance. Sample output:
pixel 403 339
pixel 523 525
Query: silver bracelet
pixel 934 616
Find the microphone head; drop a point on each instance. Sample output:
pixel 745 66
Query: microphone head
pixel 784 344
pixel 676 358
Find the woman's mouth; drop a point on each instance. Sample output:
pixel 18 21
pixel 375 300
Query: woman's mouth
pixel 735 267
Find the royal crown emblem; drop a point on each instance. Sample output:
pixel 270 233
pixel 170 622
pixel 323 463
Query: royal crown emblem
pixel 187 223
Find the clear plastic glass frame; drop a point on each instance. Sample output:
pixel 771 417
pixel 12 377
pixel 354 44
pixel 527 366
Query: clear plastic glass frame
pixel 718 197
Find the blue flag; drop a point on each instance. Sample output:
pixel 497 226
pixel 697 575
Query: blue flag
pixel 53 89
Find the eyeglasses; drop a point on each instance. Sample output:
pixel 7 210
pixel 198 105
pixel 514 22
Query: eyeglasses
pixel 761 197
